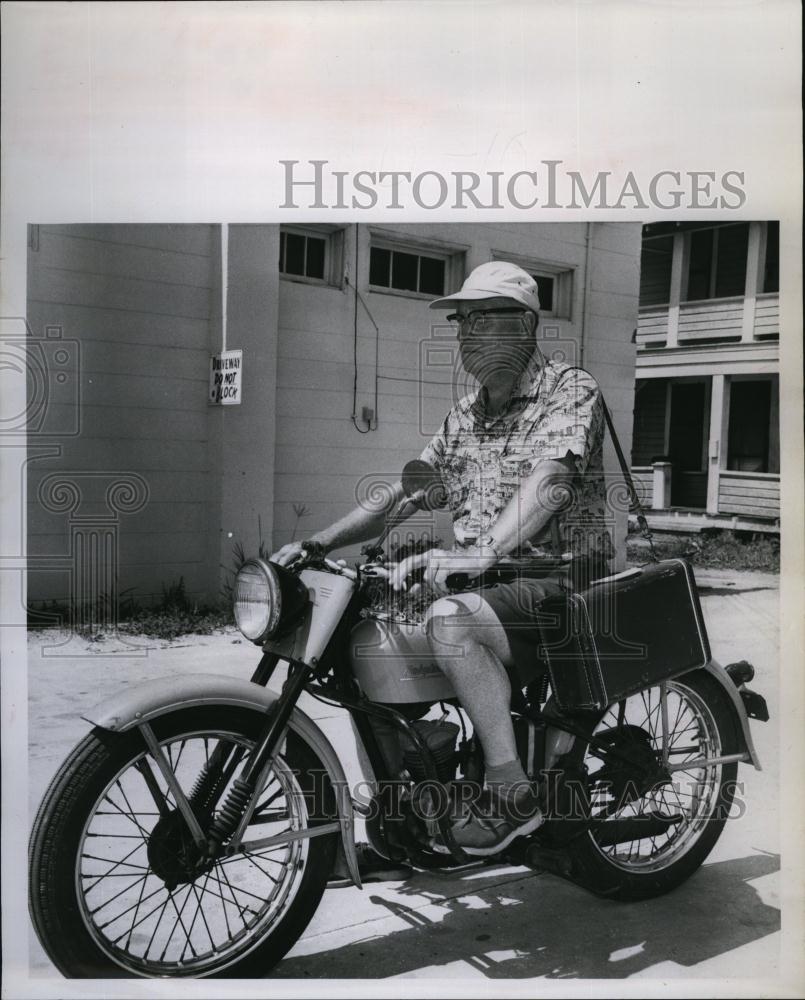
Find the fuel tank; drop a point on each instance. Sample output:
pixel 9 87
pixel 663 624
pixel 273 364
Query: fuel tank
pixel 392 663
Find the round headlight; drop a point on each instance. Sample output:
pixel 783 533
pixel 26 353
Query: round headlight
pixel 269 600
pixel 258 603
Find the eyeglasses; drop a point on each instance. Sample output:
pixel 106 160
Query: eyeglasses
pixel 481 322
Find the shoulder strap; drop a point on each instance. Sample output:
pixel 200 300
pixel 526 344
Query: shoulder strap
pixel 634 500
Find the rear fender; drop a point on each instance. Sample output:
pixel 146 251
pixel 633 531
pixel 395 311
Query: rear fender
pixel 714 668
pixel 146 702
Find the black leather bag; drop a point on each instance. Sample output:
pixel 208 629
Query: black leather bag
pixel 622 634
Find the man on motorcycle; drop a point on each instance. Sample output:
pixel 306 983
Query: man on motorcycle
pixel 521 460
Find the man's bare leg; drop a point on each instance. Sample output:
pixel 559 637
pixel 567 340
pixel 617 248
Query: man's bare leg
pixel 471 648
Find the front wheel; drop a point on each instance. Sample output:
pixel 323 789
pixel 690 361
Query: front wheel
pixel 648 836
pixel 114 887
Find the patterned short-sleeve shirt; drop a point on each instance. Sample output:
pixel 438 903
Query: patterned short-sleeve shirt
pixel 555 410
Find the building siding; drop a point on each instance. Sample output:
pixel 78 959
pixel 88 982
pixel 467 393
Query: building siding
pixel 138 300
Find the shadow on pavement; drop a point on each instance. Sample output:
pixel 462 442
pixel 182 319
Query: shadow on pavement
pixel 706 591
pixel 543 926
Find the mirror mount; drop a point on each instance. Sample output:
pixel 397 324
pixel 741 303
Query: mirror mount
pixel 423 485
pixel 424 490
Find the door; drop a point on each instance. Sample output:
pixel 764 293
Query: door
pixel 686 444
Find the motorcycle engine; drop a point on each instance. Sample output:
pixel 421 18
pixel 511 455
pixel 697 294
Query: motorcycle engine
pixel 440 738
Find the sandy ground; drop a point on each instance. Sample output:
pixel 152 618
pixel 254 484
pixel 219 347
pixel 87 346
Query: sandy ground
pixel 491 922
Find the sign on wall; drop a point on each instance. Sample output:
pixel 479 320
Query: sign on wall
pixel 225 378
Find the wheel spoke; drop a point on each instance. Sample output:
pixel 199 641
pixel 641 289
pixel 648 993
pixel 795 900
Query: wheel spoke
pixel 188 941
pixel 201 911
pixel 139 900
pixel 128 816
pixel 179 756
pixel 154 931
pixel 251 861
pixel 176 923
pixel 159 888
pixel 143 832
pixel 126 888
pixel 234 898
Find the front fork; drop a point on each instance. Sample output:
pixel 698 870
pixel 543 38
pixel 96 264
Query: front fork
pixel 238 807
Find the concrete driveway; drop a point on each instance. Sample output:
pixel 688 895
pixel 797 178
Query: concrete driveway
pixel 489 922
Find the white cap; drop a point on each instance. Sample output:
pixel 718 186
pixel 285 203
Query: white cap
pixel 495 279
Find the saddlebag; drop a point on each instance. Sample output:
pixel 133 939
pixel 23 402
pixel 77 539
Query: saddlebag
pixel 621 634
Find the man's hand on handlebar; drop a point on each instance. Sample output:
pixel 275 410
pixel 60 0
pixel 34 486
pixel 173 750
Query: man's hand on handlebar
pixel 291 552
pixel 442 569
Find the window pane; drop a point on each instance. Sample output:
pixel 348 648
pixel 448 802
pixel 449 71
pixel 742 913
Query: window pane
pixel 431 275
pixel 294 254
pixel 733 245
pixel 282 252
pixel 771 277
pixel 750 404
pixel 701 253
pixel 403 271
pixel 379 265
pixel 545 291
pixel 315 258
pixel 655 271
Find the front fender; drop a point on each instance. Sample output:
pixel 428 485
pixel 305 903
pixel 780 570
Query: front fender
pixel 145 702
pixel 714 668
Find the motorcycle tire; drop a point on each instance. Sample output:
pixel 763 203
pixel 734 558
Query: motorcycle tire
pixel 102 766
pixel 609 869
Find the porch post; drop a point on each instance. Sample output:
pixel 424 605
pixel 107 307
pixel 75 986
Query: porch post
pixel 661 485
pixel 675 292
pixel 717 449
pixel 753 280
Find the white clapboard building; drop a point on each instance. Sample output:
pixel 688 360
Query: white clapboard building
pixel 706 446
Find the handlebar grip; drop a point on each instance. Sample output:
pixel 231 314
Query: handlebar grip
pixel 458 581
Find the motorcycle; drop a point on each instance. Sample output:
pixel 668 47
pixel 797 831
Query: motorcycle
pixel 192 832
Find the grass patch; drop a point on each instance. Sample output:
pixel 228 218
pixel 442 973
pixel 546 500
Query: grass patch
pixel 713 549
pixel 173 616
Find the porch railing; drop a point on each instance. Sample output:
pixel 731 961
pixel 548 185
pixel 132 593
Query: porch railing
pixel 755 494
pixel 710 320
pixel 750 494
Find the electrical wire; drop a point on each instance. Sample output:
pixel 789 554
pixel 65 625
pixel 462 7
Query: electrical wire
pixel 357 297
pixel 377 347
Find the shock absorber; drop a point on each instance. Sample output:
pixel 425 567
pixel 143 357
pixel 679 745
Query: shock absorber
pixel 224 824
pixel 213 778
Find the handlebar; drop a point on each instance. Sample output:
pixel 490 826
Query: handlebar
pixel 455 581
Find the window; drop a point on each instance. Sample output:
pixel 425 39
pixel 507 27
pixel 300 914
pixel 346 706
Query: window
pixel 717 262
pixel 554 285
pixel 655 270
pixel 311 255
pixel 302 255
pixel 771 270
pixel 406 271
pixel 753 441
pixel 545 292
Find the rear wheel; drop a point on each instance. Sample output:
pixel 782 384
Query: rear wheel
pixel 648 836
pixel 116 885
